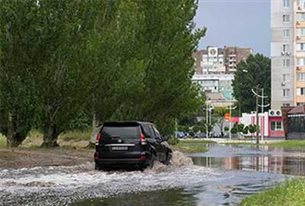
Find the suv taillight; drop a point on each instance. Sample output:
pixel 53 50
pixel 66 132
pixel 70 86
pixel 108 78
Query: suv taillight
pixel 142 139
pixel 98 138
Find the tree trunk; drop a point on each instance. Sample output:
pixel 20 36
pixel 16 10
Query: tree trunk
pixel 50 135
pixel 13 138
pixel 95 129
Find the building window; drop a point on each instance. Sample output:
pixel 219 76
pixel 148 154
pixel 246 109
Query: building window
pixel 285 77
pixel 301 76
pixel 286 62
pixel 286 33
pixel 300 61
pixel 301 3
pixel 300 16
pixel 286 92
pixel 301 47
pixel 301 91
pixel 301 31
pixel 286 18
pixel 286 3
pixel 275 126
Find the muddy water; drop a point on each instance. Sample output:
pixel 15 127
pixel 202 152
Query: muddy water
pixel 222 176
pixel 252 158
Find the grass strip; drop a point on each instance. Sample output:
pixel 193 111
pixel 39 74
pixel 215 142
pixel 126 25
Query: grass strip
pixel 289 193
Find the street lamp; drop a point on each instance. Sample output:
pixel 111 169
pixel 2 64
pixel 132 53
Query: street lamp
pixel 257 105
pixel 208 118
pixel 230 118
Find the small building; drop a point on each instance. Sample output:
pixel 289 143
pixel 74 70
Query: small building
pixel 270 123
pixel 294 122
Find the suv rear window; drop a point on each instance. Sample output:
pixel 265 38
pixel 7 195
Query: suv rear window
pixel 124 132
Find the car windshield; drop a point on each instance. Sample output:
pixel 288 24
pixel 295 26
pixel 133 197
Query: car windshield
pixel 125 132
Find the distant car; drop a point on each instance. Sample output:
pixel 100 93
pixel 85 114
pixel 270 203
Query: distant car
pixel 200 135
pixel 180 134
pixel 130 144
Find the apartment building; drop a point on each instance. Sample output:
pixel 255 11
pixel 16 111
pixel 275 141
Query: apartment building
pixel 287 53
pixel 214 71
pixel 233 55
pixel 213 60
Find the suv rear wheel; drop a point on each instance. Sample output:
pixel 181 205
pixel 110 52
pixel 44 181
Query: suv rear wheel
pixel 168 158
pixel 152 161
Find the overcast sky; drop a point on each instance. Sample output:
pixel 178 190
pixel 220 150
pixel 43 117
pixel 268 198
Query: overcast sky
pixel 242 23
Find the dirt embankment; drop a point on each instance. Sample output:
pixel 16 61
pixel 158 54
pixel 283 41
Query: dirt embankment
pixel 27 158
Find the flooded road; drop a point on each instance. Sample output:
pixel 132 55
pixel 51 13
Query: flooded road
pixel 222 176
pixel 251 158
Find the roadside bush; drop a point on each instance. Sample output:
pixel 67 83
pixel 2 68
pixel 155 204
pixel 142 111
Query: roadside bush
pixel 173 140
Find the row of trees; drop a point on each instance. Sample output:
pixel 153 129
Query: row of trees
pixel 250 73
pixel 241 128
pixel 65 61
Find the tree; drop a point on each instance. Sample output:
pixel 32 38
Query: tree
pixel 114 60
pixel 255 70
pixel 155 64
pixel 219 113
pixel 234 129
pixel 252 128
pixel 122 70
pixel 17 89
pixel 169 39
pixel 246 130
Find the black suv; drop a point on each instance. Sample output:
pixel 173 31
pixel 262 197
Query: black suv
pixel 125 144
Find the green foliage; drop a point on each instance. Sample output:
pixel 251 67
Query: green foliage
pixel 245 130
pixel 166 41
pixel 252 128
pixel 17 92
pixel 240 127
pixel 234 129
pixel 289 144
pixel 183 128
pixel 76 135
pixel 226 129
pixel 255 70
pixel 220 111
pixel 291 192
pixel 2 141
pixel 63 62
pixel 173 140
pixel 196 128
pixel 192 145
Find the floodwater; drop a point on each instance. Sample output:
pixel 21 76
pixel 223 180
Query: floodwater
pixel 222 176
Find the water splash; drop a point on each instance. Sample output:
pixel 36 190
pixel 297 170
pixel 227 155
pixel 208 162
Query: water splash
pixel 63 185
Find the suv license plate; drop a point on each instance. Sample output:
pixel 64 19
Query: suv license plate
pixel 119 148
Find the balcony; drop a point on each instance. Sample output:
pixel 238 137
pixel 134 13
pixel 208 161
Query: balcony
pixel 300 84
pixel 300 8
pixel 300 98
pixel 300 68
pixel 300 38
pixel 300 24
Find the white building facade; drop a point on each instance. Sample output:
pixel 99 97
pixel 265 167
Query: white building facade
pixel 287 53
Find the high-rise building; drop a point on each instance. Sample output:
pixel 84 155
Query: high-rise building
pixel 234 55
pixel 214 68
pixel 213 60
pixel 287 53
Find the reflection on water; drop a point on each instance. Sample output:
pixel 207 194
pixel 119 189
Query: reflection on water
pixel 246 170
pixel 173 197
pixel 262 159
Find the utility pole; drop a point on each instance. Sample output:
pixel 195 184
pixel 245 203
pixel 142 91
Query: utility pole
pixel 262 106
pixel 206 121
pixel 257 126
pixel 262 109
pixel 230 117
